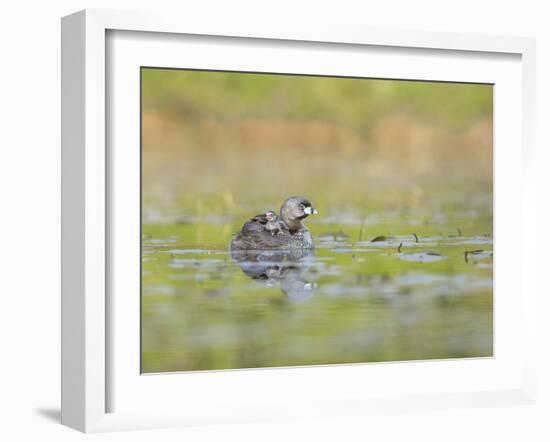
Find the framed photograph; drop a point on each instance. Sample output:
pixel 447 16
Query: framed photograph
pixel 265 222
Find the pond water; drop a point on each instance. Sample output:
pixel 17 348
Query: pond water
pixel 391 287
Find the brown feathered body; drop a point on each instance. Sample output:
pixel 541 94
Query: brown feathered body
pixel 292 234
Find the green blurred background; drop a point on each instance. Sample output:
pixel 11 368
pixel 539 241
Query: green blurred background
pixel 376 157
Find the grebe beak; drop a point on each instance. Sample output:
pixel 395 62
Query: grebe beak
pixel 310 211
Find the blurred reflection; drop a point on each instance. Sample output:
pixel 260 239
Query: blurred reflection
pixel 283 267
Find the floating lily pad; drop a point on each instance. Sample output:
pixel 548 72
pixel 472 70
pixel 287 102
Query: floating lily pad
pixel 161 241
pixel 181 263
pixel 477 254
pixel 349 250
pixel 429 256
pixel 379 238
pixel 334 236
pixel 196 251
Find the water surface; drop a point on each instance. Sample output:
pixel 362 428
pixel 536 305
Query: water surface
pixel 423 294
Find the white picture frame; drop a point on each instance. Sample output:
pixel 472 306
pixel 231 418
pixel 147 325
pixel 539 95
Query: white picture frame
pixel 87 355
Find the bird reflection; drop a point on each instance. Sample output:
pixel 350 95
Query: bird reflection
pixel 283 267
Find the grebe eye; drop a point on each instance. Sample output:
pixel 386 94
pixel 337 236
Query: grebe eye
pixel 302 207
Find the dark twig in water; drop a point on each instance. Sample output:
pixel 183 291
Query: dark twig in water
pixel 399 248
pixel 415 237
pixel 361 231
pixel 459 231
